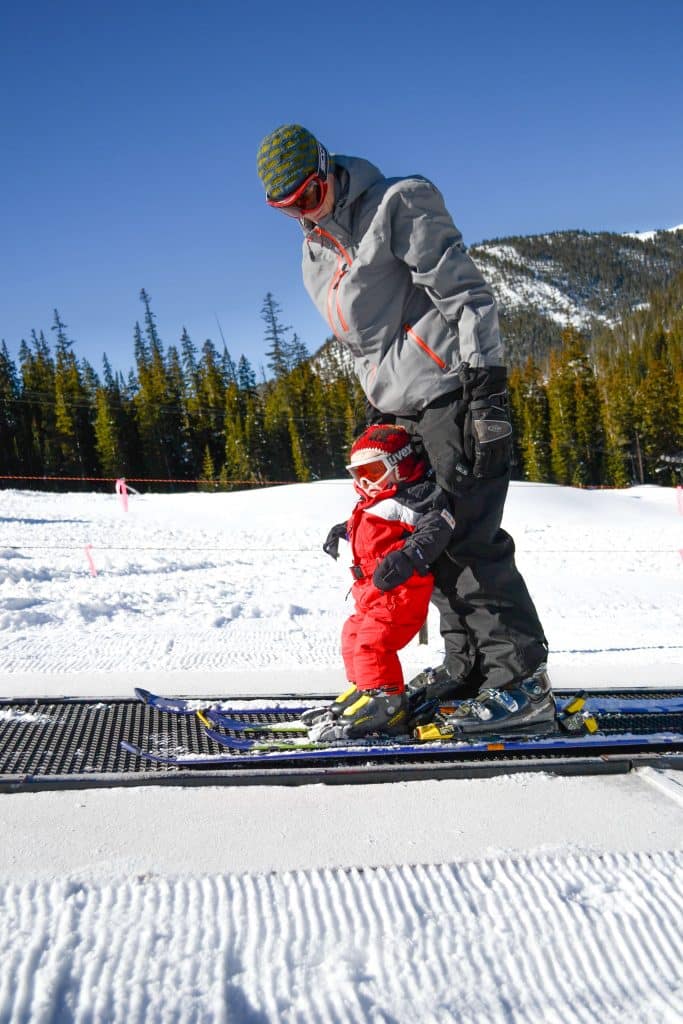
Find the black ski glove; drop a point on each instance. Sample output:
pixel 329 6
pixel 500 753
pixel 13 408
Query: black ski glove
pixel 331 545
pixel 395 568
pixel 487 430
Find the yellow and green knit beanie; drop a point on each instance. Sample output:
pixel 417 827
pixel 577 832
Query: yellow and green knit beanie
pixel 285 159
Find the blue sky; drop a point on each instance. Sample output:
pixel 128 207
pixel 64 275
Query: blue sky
pixel 130 132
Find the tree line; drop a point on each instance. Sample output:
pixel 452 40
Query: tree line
pixel 608 411
pixel 605 411
pixel 182 414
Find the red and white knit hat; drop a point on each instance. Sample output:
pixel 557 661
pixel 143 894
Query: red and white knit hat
pixel 392 445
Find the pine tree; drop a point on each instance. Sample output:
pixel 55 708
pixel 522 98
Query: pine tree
pixel 246 378
pixel 298 353
pixel 72 420
pixel 299 461
pixel 116 439
pixel 152 398
pixel 37 371
pixel 278 352
pixel 535 432
pixel 278 464
pixel 208 472
pixel 246 441
pixel 516 406
pixel 236 463
pixel 176 421
pixel 211 390
pixel 196 434
pixel 228 368
pixel 12 441
pixel 656 419
pixel 106 440
pixel 576 444
pixel 189 362
pixel 618 420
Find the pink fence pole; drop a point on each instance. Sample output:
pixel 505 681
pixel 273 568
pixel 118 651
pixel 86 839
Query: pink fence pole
pixel 122 491
pixel 88 555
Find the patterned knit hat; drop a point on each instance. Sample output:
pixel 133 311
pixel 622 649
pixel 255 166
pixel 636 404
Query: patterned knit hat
pixel 382 440
pixel 286 157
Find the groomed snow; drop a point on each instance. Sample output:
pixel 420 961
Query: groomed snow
pixel 522 898
pixel 592 939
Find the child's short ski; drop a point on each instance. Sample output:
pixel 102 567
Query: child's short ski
pixel 214 717
pixel 191 705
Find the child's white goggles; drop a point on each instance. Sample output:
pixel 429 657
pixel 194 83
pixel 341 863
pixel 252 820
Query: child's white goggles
pixel 368 475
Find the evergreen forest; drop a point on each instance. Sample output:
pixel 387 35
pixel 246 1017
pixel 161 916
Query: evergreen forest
pixel 604 410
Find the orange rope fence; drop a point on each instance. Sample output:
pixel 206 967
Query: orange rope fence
pixel 151 480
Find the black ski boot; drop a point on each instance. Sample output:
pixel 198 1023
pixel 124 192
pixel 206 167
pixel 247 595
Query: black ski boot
pixel 526 708
pixel 435 686
pixel 373 711
pixel 333 710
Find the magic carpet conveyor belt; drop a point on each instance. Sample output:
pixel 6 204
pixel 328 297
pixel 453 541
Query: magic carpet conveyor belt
pixel 69 743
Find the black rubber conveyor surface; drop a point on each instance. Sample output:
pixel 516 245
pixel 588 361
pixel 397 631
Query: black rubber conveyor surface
pixel 67 743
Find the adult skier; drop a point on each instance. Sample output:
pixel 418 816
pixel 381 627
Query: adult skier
pixel 386 266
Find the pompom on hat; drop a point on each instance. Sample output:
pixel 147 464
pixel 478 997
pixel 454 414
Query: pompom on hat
pixel 287 157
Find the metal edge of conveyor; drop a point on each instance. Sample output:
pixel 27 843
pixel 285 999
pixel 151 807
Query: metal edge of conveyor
pixel 343 774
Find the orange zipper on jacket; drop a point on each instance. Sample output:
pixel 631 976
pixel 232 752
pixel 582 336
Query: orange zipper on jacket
pixel 424 346
pixel 342 255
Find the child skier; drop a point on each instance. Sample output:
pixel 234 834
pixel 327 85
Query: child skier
pixel 400 525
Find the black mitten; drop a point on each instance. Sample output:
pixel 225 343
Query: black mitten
pixel 394 569
pixel 331 545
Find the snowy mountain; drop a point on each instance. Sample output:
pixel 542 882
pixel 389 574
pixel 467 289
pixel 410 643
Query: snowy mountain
pixel 545 283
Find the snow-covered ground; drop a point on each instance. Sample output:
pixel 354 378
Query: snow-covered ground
pixel 647 236
pixel 522 898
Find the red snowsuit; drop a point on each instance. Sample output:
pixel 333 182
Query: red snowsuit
pixel 413 517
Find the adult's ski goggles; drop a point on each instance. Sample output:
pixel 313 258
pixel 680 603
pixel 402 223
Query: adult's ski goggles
pixel 311 193
pixel 369 475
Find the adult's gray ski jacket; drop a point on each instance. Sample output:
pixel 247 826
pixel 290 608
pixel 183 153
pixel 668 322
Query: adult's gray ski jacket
pixel 389 272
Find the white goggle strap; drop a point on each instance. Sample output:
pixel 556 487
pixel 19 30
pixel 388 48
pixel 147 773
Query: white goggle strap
pixel 390 459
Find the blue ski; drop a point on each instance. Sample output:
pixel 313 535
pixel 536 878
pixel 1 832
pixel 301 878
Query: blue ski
pixel 222 712
pixel 242 750
pixel 191 705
